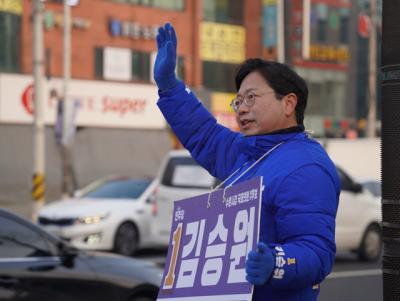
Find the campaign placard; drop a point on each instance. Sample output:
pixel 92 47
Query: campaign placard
pixel 211 235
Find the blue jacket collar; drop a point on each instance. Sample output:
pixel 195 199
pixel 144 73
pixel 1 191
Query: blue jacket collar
pixel 256 146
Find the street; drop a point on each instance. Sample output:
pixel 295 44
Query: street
pixel 350 279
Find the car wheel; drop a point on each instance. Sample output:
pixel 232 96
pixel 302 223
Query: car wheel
pixel 371 244
pixel 126 239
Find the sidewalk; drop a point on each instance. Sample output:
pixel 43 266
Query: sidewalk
pixel 21 207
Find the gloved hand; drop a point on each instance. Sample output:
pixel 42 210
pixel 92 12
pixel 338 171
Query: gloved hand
pixel 164 67
pixel 259 264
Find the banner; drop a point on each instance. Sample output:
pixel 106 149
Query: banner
pixel 270 24
pixel 211 235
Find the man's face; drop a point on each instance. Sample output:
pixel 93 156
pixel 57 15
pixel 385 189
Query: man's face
pixel 268 113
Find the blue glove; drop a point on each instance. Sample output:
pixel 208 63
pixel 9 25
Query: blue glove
pixel 259 265
pixel 164 67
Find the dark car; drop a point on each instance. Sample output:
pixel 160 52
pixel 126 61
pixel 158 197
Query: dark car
pixel 35 265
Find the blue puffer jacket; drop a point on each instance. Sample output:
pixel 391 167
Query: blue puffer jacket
pixel 300 197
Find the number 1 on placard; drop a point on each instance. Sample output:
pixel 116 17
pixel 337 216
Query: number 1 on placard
pixel 176 241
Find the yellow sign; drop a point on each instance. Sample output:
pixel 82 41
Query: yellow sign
pixel 222 42
pixel 329 53
pixel 11 6
pixel 220 102
pixel 270 2
pixel 221 109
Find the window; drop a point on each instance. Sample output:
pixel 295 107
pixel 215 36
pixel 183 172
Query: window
pixel 10 34
pixel 164 4
pixel 98 63
pixel 17 240
pixel 219 76
pixel 344 30
pixel 223 11
pixel 181 68
pixel 140 66
pixel 321 30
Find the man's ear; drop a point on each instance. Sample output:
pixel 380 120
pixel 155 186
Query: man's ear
pixel 290 103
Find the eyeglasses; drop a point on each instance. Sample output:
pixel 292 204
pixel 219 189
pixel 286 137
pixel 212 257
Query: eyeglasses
pixel 249 100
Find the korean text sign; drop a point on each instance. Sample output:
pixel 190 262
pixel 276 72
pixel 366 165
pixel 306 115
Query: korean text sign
pixel 209 245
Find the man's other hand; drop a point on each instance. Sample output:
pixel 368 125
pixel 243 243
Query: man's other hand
pixel 259 265
pixel 164 67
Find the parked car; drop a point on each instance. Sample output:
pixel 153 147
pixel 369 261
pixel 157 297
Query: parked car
pixel 115 213
pixel 357 223
pixel 179 177
pixel 37 266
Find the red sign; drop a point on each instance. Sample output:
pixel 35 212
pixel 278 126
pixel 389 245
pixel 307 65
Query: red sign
pixel 363 25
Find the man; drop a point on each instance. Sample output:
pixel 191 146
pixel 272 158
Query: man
pixel 297 227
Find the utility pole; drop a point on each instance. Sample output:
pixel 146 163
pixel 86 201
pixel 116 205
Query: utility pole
pixel 38 179
pixel 281 30
pixel 371 125
pixel 66 115
pixel 67 71
pixel 306 29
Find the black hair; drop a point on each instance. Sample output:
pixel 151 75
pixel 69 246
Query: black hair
pixel 282 79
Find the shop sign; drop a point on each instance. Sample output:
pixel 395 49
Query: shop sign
pixel 132 30
pixel 11 6
pixel 222 42
pixel 329 53
pixel 100 104
pixel 52 19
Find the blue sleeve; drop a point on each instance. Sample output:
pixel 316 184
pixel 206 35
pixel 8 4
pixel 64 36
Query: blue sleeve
pixel 306 205
pixel 210 144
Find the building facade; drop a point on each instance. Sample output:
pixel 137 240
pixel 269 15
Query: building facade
pixel 113 51
pixel 112 54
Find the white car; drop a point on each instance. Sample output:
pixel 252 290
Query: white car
pixel 115 213
pixel 358 221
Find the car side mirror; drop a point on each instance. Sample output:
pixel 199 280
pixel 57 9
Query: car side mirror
pixel 67 254
pixel 357 188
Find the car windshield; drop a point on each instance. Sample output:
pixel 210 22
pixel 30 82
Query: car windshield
pixel 374 187
pixel 118 189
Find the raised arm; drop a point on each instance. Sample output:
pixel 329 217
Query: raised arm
pixel 211 145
